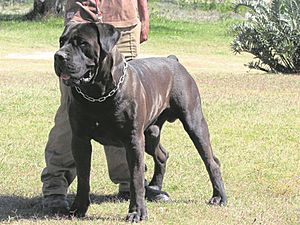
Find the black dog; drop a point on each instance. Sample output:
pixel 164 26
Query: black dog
pixel 126 104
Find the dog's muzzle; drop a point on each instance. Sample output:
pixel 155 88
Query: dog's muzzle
pixel 69 72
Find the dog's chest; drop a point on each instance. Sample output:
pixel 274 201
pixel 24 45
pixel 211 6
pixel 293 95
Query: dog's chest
pixel 102 134
pixel 109 129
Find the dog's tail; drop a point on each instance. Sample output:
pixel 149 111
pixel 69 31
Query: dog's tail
pixel 173 57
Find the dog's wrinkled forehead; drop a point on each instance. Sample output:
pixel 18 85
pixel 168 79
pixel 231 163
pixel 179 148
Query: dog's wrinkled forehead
pixel 102 35
pixel 78 32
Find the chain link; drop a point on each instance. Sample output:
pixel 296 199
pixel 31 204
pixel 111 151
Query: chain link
pixel 111 93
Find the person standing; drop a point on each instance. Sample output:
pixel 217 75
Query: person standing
pixel 131 18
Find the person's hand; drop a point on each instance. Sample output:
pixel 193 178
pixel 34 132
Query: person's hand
pixel 144 18
pixel 144 31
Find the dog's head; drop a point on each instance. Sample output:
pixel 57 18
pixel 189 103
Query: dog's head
pixel 83 49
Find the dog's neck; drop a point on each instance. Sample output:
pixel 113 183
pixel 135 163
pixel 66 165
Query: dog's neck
pixel 111 71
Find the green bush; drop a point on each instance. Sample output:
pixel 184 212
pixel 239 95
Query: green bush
pixel 271 33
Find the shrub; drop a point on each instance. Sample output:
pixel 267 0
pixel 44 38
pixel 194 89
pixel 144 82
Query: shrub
pixel 271 32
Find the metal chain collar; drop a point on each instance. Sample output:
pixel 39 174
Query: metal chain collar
pixel 111 93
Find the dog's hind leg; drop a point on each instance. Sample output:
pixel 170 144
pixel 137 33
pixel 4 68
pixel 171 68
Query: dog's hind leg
pixel 159 154
pixel 195 125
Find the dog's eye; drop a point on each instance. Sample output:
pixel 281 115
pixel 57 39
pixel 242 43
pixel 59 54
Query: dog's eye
pixel 83 44
pixel 61 43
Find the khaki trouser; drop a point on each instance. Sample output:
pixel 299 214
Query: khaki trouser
pixel 60 167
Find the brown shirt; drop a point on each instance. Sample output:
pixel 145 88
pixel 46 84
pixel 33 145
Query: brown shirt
pixel 120 13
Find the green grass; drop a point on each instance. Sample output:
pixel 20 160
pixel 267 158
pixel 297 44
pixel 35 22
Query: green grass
pixel 207 5
pixel 21 36
pixel 254 121
pixel 24 36
pixel 206 37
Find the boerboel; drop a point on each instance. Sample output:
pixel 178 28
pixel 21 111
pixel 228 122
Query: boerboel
pixel 126 104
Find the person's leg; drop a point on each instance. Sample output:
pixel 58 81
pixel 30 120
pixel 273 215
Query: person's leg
pixel 119 174
pixel 60 167
pixel 129 43
pixel 117 167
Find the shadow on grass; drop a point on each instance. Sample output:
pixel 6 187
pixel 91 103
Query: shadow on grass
pixel 14 208
pixel 17 207
pixel 21 17
pixel 12 17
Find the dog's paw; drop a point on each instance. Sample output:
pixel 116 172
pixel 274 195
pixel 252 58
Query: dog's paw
pixel 77 211
pixel 135 217
pixel 217 200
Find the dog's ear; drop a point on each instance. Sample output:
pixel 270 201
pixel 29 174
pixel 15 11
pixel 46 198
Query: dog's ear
pixel 108 36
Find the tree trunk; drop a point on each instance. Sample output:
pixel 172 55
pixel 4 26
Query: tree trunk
pixel 45 7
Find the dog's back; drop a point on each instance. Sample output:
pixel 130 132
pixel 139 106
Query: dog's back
pixel 166 77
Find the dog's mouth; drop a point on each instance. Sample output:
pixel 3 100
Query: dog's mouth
pixel 70 80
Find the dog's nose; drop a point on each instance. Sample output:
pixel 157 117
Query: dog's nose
pixel 60 56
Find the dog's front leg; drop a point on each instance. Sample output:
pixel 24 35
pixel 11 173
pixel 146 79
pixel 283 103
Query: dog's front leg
pixel 135 159
pixel 81 150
